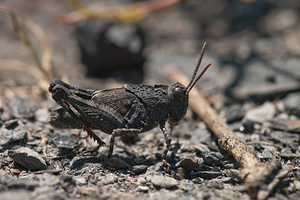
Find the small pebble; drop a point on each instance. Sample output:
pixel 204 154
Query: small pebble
pixel 186 185
pixel 116 163
pixel 262 113
pixel 163 181
pixel 143 188
pixel 139 169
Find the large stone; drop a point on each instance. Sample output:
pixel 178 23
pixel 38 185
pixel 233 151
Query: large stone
pixel 28 159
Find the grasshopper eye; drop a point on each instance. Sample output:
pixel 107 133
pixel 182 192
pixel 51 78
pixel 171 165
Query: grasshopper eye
pixel 178 93
pixel 178 90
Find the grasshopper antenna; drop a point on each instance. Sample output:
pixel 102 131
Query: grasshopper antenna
pixel 192 82
pixel 197 79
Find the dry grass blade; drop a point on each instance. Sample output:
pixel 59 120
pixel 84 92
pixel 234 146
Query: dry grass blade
pixel 46 55
pixel 23 36
pixel 254 172
pixel 125 14
pixel 43 69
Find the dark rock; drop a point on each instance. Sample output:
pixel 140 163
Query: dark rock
pixel 65 143
pixel 213 158
pixel 28 159
pixel 187 163
pixel 163 181
pixel 292 103
pixel 12 132
pixel 185 166
pixel 22 108
pixel 111 48
pixel 248 126
pixel 207 174
pixel 201 149
pixel 80 161
pixel 234 113
pixel 116 163
pixel 11 124
pixel 139 169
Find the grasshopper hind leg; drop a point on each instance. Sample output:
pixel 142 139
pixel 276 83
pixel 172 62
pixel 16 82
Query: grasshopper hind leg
pixel 60 95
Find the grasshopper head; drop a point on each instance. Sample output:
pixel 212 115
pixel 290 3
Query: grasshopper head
pixel 178 94
pixel 178 97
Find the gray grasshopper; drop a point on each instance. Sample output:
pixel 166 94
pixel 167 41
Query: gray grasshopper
pixel 124 111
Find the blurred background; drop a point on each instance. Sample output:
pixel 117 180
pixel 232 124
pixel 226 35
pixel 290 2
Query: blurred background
pixel 254 46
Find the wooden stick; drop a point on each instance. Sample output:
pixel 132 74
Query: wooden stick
pixel 254 172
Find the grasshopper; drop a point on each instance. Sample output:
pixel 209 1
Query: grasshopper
pixel 124 111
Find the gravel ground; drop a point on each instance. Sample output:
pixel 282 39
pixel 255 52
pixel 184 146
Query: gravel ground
pixel 253 84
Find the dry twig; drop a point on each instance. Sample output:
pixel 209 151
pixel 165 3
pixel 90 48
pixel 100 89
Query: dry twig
pixel 254 172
